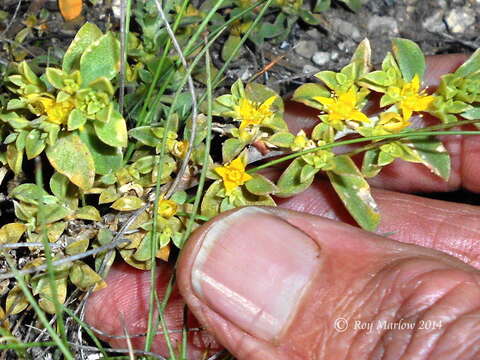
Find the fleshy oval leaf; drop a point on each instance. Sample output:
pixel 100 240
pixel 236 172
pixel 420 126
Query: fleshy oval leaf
pixel 87 34
pixel 100 59
pixel 410 58
pixel 71 157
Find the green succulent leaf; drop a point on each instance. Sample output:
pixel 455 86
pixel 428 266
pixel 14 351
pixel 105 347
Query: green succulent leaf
pixel 78 246
pixel 46 296
pixel 76 119
pixel 100 59
pixel 231 148
pixel 210 206
pixel 84 277
pixel 433 155
pixel 307 173
pixel 471 66
pixel 290 182
pixel 72 158
pixel 16 301
pixel 114 131
pixel 355 5
pixel 54 212
pixel 34 144
pixel 306 92
pixel 88 213
pixel 145 135
pixel 354 192
pixel 370 167
pixel 29 193
pixel 410 58
pixel 11 233
pixel 107 159
pixel 128 203
pixel 55 77
pixel 230 46
pixel 361 57
pixel 14 158
pixel 87 35
pixel 472 114
pixel 63 189
pixel 283 139
pixel 260 185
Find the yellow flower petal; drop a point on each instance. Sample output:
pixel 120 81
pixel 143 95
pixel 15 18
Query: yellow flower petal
pixel 56 112
pixel 233 174
pixel 343 107
pixel 252 114
pixel 359 116
pixel 324 100
pixel 392 122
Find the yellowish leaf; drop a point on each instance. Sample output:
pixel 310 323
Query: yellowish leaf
pixel 128 203
pixel 16 301
pixel 11 233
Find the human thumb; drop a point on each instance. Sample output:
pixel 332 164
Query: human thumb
pixel 275 284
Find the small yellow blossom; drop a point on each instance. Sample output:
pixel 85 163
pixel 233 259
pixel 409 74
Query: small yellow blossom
pixel 342 107
pixel 413 100
pixel 178 148
pixel 167 208
pixel 320 159
pixel 233 174
pixel 392 122
pixel 56 112
pixel 238 27
pixel 251 113
pixel 302 142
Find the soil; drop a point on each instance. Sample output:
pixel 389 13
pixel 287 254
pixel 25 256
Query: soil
pixel 438 26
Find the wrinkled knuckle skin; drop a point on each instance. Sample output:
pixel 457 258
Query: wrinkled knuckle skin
pixel 418 308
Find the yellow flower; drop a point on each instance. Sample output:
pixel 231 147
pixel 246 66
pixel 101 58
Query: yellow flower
pixel 413 100
pixel 342 107
pixel 167 208
pixel 302 142
pixel 233 174
pixel 392 122
pixel 251 113
pixel 56 112
pixel 178 148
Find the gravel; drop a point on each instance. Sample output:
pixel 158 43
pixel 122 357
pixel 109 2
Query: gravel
pixel 460 19
pixel 321 58
pixel 306 48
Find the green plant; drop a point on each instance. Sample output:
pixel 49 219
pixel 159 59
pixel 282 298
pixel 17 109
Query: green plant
pixel 140 190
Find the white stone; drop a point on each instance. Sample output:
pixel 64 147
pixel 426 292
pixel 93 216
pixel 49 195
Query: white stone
pixel 384 24
pixel 306 48
pixel 315 34
pixel 434 23
pixel 345 28
pixel 459 19
pixel 116 5
pixel 309 69
pixel 321 58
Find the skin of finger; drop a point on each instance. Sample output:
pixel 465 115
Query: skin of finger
pixel 343 287
pixel 449 227
pixel 124 305
pixel 410 177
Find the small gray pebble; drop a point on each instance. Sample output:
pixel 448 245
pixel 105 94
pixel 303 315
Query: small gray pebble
pixel 321 58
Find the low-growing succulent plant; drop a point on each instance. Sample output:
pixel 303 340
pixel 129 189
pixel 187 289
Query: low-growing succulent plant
pixel 138 191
